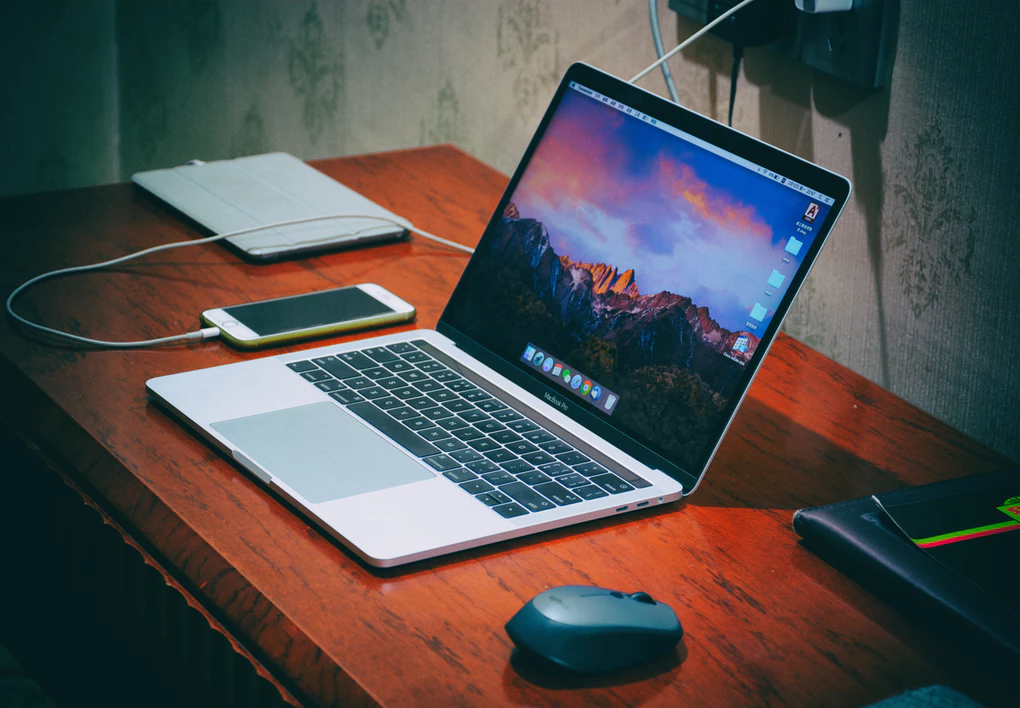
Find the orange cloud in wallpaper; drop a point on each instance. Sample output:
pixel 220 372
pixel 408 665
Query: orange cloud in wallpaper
pixel 713 204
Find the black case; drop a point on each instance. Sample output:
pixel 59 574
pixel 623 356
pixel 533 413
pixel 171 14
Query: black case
pixel 858 539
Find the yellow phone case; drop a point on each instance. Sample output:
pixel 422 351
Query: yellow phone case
pixel 325 330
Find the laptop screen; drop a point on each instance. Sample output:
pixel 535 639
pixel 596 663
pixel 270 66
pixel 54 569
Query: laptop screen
pixel 634 270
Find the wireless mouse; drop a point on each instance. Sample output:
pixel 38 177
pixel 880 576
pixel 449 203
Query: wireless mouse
pixel 594 630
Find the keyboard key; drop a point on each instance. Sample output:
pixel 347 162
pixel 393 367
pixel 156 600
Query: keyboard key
pixel 393 430
pixel 505 436
pixel 539 458
pixel 509 511
pixel 388 403
pixel 301 366
pixel 346 397
pixel 481 444
pixel 474 415
pixel 413 375
pixel 404 413
pixel 450 444
pixel 360 382
pixel 526 496
pixel 376 372
pixel 315 376
pixel 417 357
pixel 467 455
pixel 539 436
pixel 428 386
pixel 589 492
pixel 555 447
pixel 380 354
pixel 469 434
pixel 357 360
pixel 500 455
pixel 499 477
pixel 516 466
pixel 420 403
pixel 476 486
pixel 374 392
pixel 398 366
pixel 481 466
pixel 571 480
pixel 405 392
pixel 431 366
pixel 521 426
pixel 442 396
pixel 391 382
pixel 590 469
pixel 491 405
pixel 612 484
pixel 506 415
pixel 476 395
pixel 329 386
pixel 493 498
pixel 441 462
pixel 419 423
pixel 534 477
pixel 572 458
pixel 335 367
pixel 523 447
pixel 457 406
pixel 401 347
pixel 559 495
pixel 446 377
pixel 436 413
pixel 434 434
pixel 489 426
pixel 459 475
pixel 555 469
pixel 453 423
pixel 458 386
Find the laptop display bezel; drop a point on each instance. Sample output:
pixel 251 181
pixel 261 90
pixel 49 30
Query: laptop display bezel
pixel 741 145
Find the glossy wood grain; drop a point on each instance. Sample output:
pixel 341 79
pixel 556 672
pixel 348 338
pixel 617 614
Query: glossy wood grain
pixel 766 621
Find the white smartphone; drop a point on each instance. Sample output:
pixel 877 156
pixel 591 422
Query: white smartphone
pixel 288 319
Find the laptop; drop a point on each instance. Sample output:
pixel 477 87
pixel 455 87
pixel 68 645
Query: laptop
pixel 588 363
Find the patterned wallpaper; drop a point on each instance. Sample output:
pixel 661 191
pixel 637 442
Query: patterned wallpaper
pixel 916 289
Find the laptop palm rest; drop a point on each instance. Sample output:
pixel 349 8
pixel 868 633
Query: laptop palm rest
pixel 321 452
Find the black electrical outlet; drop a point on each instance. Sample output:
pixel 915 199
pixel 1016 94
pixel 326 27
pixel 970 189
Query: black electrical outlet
pixel 759 23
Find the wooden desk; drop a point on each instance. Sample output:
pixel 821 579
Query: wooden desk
pixel 766 621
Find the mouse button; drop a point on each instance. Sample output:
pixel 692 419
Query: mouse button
pixel 643 597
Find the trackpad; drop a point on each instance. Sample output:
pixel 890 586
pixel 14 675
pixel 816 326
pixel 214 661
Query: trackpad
pixel 321 452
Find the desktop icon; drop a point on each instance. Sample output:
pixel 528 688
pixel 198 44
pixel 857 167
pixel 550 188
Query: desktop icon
pixel 529 352
pixel 758 312
pixel 539 358
pixel 557 369
pixel 610 401
pixel 793 245
pixel 576 381
pixel 585 387
pixel 776 279
pixel 548 364
pixel 566 376
pixel 596 391
pixel 812 212
pixel 741 344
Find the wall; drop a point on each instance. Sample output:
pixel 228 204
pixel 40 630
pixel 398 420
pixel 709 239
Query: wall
pixel 916 289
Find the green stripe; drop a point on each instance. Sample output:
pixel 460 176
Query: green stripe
pixel 954 534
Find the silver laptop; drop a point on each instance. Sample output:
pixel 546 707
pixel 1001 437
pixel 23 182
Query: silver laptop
pixel 588 364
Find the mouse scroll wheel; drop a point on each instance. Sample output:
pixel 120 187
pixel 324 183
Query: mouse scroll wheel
pixel 643 597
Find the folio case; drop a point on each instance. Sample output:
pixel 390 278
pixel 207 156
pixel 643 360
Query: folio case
pixel 859 539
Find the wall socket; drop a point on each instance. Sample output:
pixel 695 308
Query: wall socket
pixel 857 46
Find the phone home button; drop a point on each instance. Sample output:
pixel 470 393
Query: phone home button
pixel 230 323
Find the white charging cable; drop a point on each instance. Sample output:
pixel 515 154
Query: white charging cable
pixel 691 39
pixel 208 332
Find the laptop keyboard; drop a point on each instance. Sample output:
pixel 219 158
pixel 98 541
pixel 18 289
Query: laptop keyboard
pixel 493 452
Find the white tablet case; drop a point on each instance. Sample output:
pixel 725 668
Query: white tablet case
pixel 262 189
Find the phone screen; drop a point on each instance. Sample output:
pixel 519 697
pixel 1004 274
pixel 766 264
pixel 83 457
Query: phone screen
pixel 307 311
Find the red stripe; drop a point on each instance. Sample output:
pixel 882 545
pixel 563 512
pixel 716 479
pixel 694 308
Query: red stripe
pixel 968 536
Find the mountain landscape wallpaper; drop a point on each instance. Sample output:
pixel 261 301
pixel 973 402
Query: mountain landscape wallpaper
pixel 620 256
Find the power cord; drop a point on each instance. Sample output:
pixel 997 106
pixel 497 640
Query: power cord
pixel 208 332
pixel 738 54
pixel 653 16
